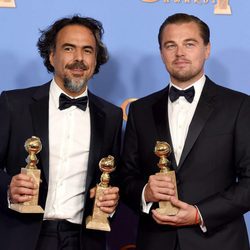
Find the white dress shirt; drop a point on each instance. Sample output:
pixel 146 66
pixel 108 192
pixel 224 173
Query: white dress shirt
pixel 69 142
pixel 180 114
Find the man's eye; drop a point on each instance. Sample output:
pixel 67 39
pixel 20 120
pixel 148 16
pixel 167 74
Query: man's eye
pixel 170 46
pixel 189 45
pixel 88 51
pixel 68 49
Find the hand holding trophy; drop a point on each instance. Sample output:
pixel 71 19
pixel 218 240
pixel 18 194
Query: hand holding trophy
pixel 33 146
pixel 99 219
pixel 163 150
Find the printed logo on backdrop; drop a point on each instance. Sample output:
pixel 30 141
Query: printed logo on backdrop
pixel 221 6
pixel 8 3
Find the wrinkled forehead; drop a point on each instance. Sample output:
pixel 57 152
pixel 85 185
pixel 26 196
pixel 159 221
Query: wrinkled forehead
pixel 75 34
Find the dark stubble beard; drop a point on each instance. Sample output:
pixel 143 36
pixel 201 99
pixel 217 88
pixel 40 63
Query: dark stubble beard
pixel 185 76
pixel 182 77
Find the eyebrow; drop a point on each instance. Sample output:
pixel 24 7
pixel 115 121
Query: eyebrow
pixel 72 45
pixel 186 40
pixel 191 40
pixel 68 44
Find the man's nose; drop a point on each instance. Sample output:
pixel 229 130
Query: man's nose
pixel 79 55
pixel 179 51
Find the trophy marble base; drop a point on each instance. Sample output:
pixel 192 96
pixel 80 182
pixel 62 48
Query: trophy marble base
pixel 32 206
pixel 27 209
pixel 99 219
pixel 166 207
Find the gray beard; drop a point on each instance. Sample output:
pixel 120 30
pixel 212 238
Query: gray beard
pixel 75 86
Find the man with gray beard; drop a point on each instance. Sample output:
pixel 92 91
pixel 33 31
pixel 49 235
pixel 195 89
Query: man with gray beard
pixel 76 129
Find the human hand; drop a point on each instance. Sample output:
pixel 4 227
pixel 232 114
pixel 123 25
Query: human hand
pixel 108 201
pixel 22 188
pixel 187 215
pixel 159 188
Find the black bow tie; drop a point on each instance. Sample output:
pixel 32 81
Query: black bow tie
pixel 175 93
pixel 66 102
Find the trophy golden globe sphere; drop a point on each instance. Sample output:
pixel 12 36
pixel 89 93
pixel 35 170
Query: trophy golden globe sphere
pixel 33 146
pixel 162 148
pixel 106 165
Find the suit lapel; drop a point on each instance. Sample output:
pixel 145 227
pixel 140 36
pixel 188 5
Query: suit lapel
pixel 39 113
pixel 160 114
pixel 98 123
pixel 201 115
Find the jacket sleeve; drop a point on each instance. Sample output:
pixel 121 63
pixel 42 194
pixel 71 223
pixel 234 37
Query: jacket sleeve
pixel 132 181
pixel 234 201
pixel 4 138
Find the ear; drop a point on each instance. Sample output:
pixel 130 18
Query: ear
pixel 208 49
pixel 51 58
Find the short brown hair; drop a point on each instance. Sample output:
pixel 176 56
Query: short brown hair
pixel 180 18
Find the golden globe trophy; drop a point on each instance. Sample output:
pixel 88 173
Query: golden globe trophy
pixel 33 146
pixel 163 150
pixel 99 219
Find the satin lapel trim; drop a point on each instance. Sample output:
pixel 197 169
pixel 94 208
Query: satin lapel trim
pixel 160 113
pixel 201 115
pixel 39 113
pixel 98 124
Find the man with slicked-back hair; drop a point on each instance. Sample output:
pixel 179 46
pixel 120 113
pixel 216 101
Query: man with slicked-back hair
pixel 207 127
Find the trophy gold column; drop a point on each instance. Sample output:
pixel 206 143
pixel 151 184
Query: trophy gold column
pixel 163 150
pixel 99 219
pixel 33 146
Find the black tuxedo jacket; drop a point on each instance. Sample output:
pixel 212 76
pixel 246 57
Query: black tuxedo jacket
pixel 24 113
pixel 213 173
